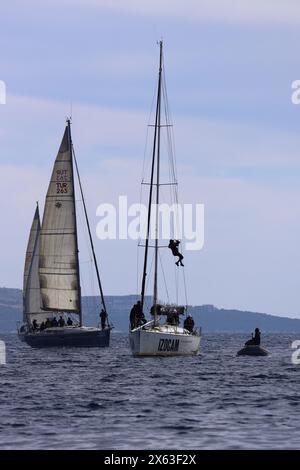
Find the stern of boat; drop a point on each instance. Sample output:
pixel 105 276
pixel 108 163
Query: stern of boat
pixel 164 342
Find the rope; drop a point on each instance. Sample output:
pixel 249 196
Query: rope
pixel 164 278
pixel 185 289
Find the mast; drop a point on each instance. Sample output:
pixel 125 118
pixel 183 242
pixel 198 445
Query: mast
pixel 157 113
pixel 76 235
pixel 90 234
pixel 157 183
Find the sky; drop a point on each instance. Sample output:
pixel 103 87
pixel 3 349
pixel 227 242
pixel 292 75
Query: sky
pixel 229 69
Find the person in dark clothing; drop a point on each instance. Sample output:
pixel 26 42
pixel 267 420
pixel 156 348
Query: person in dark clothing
pixel 54 322
pixel 189 323
pixel 132 317
pixel 48 323
pixel 173 318
pixel 173 245
pixel 255 340
pixel 42 326
pixel 170 318
pixel 61 322
pixel 176 318
pixel 155 308
pixel 69 322
pixel 136 316
pixel 35 325
pixel 257 337
pixel 140 317
pixel 103 318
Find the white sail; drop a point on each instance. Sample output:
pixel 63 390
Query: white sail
pixel 31 286
pixel 58 260
pixel 35 227
pixel 32 297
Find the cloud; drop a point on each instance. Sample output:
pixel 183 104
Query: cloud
pixel 221 11
pixel 30 128
pixel 251 232
pixel 229 11
pixel 251 220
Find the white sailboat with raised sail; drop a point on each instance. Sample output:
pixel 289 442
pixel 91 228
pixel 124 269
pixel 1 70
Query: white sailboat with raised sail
pixel 162 335
pixel 51 286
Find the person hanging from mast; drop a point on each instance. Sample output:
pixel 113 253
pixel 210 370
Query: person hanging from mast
pixel 173 245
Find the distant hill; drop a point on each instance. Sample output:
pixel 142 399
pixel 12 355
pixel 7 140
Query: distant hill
pixel 210 318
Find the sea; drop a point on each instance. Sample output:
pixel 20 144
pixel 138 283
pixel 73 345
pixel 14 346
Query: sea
pixel 106 399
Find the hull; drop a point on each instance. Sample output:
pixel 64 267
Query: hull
pixel 82 337
pixel 252 350
pixel 164 342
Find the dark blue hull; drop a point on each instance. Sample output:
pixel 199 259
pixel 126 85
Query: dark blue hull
pixel 253 350
pixel 75 337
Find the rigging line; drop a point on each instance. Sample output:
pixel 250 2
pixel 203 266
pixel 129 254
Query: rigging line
pixel 164 277
pixel 155 140
pixel 171 153
pixel 85 235
pixel 185 289
pixel 147 132
pixel 137 269
pixel 150 270
pixel 171 139
pixel 176 284
pixel 90 286
pixel 90 234
pixel 148 279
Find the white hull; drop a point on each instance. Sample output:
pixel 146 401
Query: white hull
pixel 163 340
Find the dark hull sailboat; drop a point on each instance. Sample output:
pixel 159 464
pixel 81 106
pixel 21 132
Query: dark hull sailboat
pixel 51 274
pixel 68 336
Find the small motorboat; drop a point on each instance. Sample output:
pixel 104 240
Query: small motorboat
pixel 252 350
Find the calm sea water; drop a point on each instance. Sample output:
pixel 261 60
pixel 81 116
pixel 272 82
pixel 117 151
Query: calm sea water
pixel 106 399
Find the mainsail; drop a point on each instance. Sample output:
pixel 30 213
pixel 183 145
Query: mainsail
pixel 58 260
pixel 31 282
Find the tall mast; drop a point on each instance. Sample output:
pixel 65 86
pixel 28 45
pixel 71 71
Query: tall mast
pixel 157 182
pixel 90 234
pixel 151 181
pixel 76 236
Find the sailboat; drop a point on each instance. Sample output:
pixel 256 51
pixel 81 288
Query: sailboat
pixel 162 335
pixel 51 283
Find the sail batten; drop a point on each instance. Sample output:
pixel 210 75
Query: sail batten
pixel 58 259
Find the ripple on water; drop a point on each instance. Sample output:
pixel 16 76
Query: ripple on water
pixel 116 401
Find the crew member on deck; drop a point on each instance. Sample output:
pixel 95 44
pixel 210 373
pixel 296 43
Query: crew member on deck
pixel 103 318
pixel 48 323
pixel 189 323
pixel 173 318
pixel 173 245
pixel 54 322
pixel 35 325
pixel 69 322
pixel 61 322
pixel 136 316
pixel 254 341
pixel 140 317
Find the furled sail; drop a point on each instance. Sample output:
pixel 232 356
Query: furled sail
pixel 58 260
